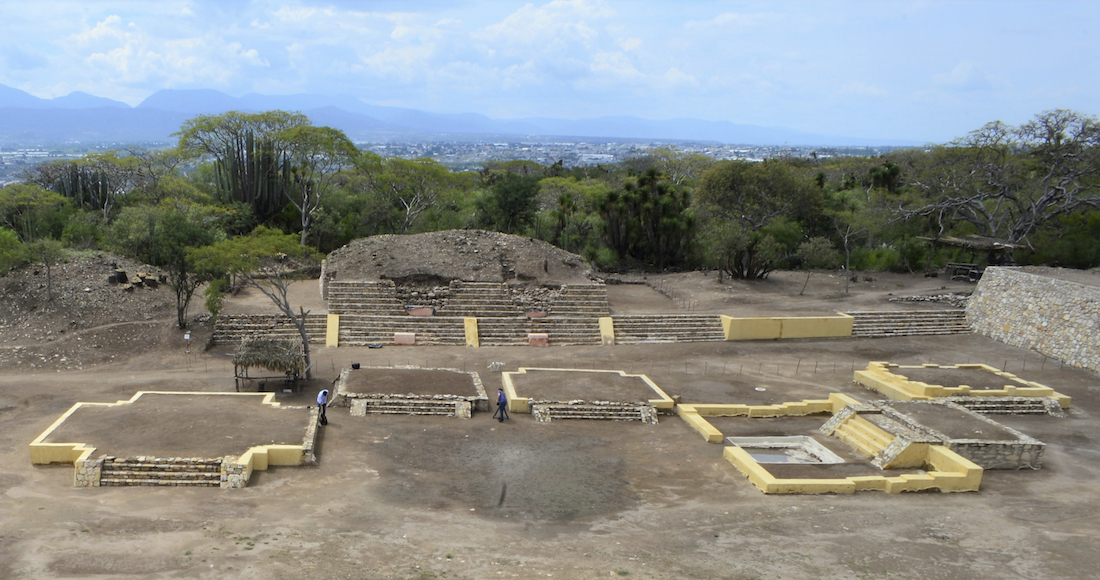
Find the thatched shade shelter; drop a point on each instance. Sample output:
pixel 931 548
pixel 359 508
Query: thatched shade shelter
pixel 284 356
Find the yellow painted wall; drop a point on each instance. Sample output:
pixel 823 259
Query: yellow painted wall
pixel 889 379
pixel 332 330
pixel 787 327
pixel 472 338
pixel 607 330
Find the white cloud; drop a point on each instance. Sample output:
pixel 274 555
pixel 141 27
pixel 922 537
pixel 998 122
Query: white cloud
pixel 966 76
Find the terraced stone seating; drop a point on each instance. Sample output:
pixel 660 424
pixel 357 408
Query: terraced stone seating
pixel 399 405
pixel 514 330
pixel 581 300
pixel 546 412
pixel 881 324
pixel 140 471
pixel 361 330
pixel 361 297
pixel 1011 405
pixel 650 328
pixel 479 299
pixel 234 328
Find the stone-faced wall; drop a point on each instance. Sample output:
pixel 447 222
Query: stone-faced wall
pixel 1059 319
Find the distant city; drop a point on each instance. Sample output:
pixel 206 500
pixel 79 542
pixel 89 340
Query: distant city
pixel 473 155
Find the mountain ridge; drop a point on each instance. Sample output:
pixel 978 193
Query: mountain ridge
pixel 24 117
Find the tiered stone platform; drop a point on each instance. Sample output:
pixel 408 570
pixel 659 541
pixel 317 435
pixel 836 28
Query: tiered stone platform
pixel 178 439
pixel 231 328
pixel 410 391
pixel 979 387
pixel 883 324
pixel 584 394
pixel 651 328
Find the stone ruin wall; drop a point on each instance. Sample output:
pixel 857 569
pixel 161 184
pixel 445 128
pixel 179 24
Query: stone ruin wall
pixel 1056 318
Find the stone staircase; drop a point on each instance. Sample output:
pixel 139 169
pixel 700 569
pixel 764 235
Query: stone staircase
pixel 562 331
pixel 547 412
pixel 361 407
pixel 862 435
pixel 1011 405
pixel 581 300
pixel 479 299
pixel 178 471
pixel 649 328
pixel 362 297
pixel 881 324
pixel 361 330
pixel 229 329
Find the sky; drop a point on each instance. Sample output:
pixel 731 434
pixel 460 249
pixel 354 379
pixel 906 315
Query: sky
pixel 921 70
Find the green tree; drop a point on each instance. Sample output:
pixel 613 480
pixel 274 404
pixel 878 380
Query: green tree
pixel 11 250
pixel 816 253
pixel 47 251
pixel 315 155
pixel 741 200
pixel 509 205
pixel 249 152
pixel 22 206
pixel 1007 181
pixel 268 261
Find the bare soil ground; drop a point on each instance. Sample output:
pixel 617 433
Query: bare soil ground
pixel 976 379
pixel 437 497
pixel 411 381
pixel 183 426
pixel 569 386
pixel 954 423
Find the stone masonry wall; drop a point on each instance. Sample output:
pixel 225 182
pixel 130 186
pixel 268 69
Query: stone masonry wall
pixel 1059 319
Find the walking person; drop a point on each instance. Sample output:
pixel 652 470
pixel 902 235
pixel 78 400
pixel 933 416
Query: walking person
pixel 322 403
pixel 502 406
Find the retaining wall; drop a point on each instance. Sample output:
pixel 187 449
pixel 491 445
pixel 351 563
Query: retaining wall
pixel 1059 319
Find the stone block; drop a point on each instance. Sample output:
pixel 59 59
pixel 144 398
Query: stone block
pixel 404 338
pixel 538 339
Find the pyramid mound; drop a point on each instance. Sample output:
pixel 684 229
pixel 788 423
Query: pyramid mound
pixel 468 255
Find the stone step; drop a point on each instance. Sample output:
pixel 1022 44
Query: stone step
pixel 867 440
pixel 547 412
pixel 135 482
pixel 173 475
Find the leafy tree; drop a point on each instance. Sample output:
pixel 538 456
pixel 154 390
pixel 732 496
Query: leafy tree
pixel 741 200
pixel 22 206
pixel 11 250
pixel 409 187
pixel 510 204
pixel 94 182
pixel 268 261
pixel 816 253
pixel 315 155
pixel 649 220
pixel 162 235
pixel 47 251
pixel 249 152
pixel 1008 181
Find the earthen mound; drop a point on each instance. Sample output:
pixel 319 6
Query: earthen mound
pixel 86 294
pixel 436 258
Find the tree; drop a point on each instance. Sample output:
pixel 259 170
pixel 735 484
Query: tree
pixel 816 253
pixel 741 200
pixel 315 155
pixel 162 235
pixel 94 182
pixel 249 153
pixel 268 261
pixel 510 204
pixel 47 251
pixel 410 186
pixel 21 206
pixel 11 250
pixel 1008 181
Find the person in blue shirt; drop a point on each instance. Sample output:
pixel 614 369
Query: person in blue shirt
pixel 502 406
pixel 322 403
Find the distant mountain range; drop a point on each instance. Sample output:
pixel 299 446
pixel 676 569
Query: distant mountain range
pixel 86 118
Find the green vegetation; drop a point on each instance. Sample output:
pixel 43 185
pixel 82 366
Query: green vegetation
pixel 252 183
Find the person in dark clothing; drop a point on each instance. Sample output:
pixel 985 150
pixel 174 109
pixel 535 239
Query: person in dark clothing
pixel 322 403
pixel 502 406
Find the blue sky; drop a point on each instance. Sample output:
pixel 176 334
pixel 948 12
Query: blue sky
pixel 929 70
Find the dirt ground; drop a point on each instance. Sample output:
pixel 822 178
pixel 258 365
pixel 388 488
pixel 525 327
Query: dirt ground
pixel 438 497
pixel 976 379
pixel 410 381
pixel 183 426
pixel 570 386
